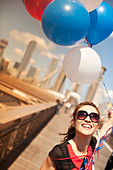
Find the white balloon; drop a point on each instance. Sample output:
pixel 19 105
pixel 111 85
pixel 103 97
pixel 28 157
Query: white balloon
pixel 91 4
pixel 82 65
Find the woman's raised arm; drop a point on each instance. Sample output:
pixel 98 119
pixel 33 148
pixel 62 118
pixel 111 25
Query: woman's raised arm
pixel 108 125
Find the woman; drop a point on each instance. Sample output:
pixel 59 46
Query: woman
pixel 76 152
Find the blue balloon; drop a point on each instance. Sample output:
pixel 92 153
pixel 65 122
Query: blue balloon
pixel 101 20
pixel 65 22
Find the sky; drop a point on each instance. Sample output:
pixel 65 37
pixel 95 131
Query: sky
pixel 19 27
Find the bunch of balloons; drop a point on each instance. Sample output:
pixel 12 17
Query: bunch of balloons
pixel 65 22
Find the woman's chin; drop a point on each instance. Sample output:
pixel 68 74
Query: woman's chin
pixel 86 132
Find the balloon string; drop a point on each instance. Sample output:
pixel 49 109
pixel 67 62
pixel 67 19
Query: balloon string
pixel 88 42
pixel 60 159
pixel 85 160
pixel 105 88
pixel 103 139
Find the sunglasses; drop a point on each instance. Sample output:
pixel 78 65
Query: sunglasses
pixel 82 115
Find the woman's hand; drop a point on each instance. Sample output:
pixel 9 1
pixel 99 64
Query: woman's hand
pixel 107 125
pixel 110 113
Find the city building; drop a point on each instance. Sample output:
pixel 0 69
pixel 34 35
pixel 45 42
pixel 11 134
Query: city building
pixel 16 65
pixel 48 76
pixel 60 81
pixel 26 58
pixel 32 75
pixel 3 45
pixel 4 65
pixel 31 72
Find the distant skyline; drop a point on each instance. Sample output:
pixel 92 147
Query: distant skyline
pixel 18 27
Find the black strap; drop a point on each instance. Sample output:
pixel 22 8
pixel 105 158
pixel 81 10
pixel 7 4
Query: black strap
pixel 68 163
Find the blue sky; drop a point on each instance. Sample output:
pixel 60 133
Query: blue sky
pixel 18 27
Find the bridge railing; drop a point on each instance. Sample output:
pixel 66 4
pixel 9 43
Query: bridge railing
pixel 17 124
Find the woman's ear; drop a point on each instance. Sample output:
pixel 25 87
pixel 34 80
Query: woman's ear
pixel 100 124
pixel 73 123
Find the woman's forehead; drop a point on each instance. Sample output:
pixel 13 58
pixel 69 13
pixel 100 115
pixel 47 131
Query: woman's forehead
pixel 88 108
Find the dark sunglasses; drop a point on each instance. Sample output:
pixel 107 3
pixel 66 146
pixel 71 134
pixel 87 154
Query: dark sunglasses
pixel 82 115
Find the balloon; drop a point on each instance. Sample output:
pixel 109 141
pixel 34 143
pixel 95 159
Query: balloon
pixel 82 65
pixel 101 24
pixel 36 7
pixel 65 22
pixel 91 4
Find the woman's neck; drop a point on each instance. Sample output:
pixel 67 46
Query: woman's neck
pixel 82 142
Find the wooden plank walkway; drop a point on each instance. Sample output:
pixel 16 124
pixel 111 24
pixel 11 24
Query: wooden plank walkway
pixel 34 155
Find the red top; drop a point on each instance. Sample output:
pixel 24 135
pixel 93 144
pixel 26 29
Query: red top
pixel 77 161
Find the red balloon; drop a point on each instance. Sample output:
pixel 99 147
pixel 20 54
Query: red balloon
pixel 36 7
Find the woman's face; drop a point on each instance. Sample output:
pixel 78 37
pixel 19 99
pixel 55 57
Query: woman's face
pixel 86 126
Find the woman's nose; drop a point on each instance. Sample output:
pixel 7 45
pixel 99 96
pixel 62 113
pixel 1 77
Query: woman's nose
pixel 88 119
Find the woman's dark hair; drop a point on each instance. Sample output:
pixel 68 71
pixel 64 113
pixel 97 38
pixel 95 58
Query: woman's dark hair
pixel 71 130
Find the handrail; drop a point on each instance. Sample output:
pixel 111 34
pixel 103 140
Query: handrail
pixel 17 124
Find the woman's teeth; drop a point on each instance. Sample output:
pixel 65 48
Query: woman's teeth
pixel 87 126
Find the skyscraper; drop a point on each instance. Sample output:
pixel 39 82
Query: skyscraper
pixel 51 68
pixel 3 45
pixel 26 58
pixel 31 72
pixel 16 65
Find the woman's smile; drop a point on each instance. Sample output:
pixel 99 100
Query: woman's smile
pixel 86 126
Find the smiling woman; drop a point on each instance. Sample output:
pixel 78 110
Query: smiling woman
pixel 79 145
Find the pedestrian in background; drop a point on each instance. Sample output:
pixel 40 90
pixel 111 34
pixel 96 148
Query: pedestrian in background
pixel 109 165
